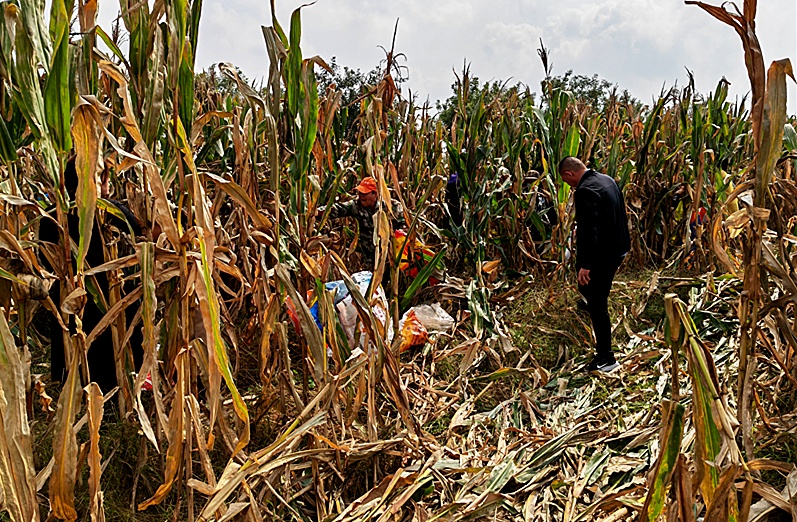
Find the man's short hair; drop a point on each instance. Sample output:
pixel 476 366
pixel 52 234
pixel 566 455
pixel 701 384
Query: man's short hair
pixel 570 163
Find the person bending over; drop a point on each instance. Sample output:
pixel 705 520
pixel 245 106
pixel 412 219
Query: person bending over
pixel 363 210
pixel 602 241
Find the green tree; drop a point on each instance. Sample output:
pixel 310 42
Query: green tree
pixel 593 90
pixel 474 91
pixel 351 83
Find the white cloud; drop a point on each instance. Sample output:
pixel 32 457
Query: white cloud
pixel 437 13
pixel 639 44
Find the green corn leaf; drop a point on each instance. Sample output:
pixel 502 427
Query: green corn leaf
pixel 536 220
pixel 57 89
pixel 36 28
pixel 137 24
pixel 651 129
pixel 179 15
pixel 186 85
pixel 293 66
pixel 562 194
pixel 276 25
pixel 671 448
pixel 789 137
pixel 193 23
pixel 572 141
pixel 595 466
pixel 8 151
pixel 310 112
pixel 4 274
pixel 112 209
pixel 112 46
pixel 504 373
pixel 421 278
pixel 30 48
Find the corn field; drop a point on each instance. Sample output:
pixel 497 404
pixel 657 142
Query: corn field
pixel 237 413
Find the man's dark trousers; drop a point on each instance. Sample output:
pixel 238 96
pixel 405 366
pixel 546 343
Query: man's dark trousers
pixel 597 295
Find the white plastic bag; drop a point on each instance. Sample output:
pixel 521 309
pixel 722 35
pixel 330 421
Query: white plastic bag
pixel 347 312
pixel 432 317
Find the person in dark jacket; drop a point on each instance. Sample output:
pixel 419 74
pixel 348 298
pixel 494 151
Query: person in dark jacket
pixel 101 357
pixel 453 201
pixel 602 241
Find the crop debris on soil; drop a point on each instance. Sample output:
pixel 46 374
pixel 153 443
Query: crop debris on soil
pixel 263 368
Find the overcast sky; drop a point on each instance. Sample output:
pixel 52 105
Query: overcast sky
pixel 641 45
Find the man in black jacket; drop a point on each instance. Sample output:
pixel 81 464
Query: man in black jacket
pixel 602 241
pixel 101 357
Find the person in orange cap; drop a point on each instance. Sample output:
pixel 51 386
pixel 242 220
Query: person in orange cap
pixel 363 209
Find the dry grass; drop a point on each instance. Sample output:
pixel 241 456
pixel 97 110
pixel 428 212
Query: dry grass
pixel 509 420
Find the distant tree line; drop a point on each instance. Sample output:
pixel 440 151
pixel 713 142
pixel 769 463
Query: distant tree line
pixel 355 83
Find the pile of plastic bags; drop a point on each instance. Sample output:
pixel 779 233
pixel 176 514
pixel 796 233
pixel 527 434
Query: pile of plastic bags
pixel 415 326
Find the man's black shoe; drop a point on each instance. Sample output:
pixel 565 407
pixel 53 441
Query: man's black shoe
pixel 602 364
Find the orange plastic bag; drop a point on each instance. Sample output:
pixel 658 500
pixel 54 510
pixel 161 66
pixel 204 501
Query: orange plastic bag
pixel 413 333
